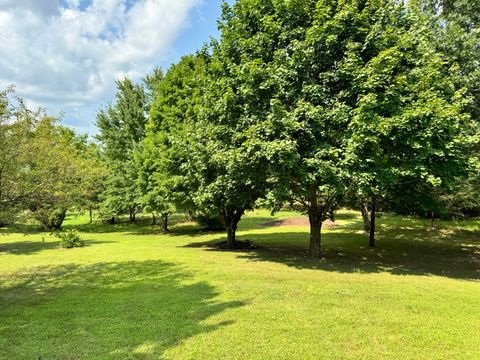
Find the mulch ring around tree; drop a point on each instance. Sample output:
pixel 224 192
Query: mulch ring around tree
pixel 297 221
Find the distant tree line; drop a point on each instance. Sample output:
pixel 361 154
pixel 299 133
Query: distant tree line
pixel 321 104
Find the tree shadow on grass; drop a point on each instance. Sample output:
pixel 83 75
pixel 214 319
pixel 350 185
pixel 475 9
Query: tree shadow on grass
pixel 189 229
pixel 102 228
pixel 178 227
pixel 32 247
pixel 95 228
pixel 27 247
pixel 106 310
pixel 20 229
pixel 404 251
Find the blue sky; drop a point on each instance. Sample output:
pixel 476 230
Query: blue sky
pixel 64 55
pixel 202 25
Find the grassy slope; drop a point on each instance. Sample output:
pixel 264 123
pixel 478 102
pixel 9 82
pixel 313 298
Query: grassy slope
pixel 133 293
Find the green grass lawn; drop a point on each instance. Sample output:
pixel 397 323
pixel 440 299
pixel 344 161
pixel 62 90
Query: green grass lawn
pixel 135 293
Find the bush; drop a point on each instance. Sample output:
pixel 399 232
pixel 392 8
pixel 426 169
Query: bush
pixel 210 222
pixel 70 239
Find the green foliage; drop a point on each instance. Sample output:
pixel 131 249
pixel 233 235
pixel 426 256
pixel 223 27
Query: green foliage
pixel 408 122
pixel 318 95
pixel 464 199
pixel 457 36
pixel 44 167
pixel 299 99
pixel 65 173
pixel 122 124
pixel 50 217
pixel 210 222
pixel 121 131
pixel 69 239
pixel 313 103
pixel 165 180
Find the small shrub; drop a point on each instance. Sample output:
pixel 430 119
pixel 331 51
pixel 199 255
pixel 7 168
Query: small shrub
pixel 70 239
pixel 210 222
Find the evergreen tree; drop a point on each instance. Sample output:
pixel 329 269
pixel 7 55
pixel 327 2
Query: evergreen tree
pixel 121 131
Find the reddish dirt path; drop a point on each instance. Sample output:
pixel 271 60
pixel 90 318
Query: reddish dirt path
pixel 296 221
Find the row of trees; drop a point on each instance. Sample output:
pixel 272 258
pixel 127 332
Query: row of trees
pixel 316 103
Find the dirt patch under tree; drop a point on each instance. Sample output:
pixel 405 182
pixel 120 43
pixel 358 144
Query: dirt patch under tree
pixel 297 221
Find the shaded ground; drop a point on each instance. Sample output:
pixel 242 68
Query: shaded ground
pixel 99 313
pixel 32 247
pixel 458 260
pixel 408 249
pixel 299 221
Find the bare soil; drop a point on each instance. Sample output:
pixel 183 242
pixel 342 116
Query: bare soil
pixel 297 221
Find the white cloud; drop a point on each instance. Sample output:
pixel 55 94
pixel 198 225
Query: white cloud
pixel 68 54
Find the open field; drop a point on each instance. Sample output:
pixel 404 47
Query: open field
pixel 135 293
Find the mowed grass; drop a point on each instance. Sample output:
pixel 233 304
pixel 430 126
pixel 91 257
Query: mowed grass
pixel 134 293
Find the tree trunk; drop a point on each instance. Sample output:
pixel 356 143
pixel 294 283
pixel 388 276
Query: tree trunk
pixel 91 216
pixel 112 220
pixel 371 242
pixel 132 214
pixel 366 217
pixel 154 220
pixel 165 222
pixel 231 237
pixel 231 219
pixel 2 225
pixel 55 220
pixel 315 218
pixel 191 216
